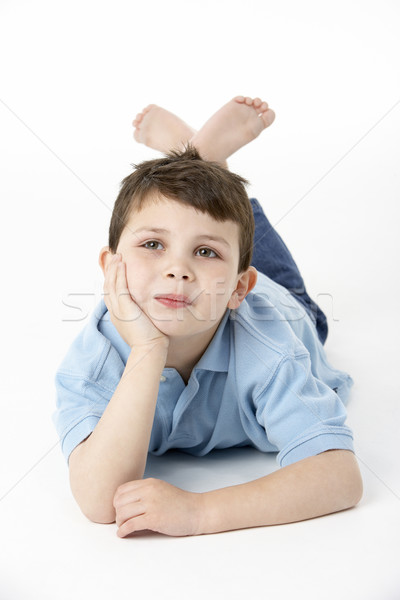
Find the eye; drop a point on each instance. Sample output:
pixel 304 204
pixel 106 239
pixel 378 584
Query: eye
pixel 207 253
pixel 153 245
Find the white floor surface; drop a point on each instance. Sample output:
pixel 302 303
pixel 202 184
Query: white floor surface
pixel 73 76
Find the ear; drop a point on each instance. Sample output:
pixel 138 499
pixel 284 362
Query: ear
pixel 246 282
pixel 104 258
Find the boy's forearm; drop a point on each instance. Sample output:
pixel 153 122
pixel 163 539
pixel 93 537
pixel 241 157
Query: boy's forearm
pixel 116 451
pixel 315 486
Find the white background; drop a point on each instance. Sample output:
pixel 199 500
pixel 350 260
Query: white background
pixel 73 76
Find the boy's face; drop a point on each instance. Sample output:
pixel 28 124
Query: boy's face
pixel 181 266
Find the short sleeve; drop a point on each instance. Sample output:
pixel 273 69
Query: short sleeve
pixel 301 415
pixel 80 405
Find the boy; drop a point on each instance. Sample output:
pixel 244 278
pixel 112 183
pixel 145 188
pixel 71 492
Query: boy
pixel 195 348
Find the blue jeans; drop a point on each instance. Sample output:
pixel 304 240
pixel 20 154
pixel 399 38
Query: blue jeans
pixel 271 257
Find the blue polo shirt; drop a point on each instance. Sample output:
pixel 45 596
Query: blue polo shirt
pixel 263 381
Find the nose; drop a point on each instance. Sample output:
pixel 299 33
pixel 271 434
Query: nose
pixel 176 274
pixel 179 271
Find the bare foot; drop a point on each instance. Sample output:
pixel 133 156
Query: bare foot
pixel 161 130
pixel 234 125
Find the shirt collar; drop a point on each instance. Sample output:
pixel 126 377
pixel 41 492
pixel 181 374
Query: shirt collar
pixel 216 355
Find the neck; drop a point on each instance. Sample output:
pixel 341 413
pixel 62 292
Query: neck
pixel 182 361
pixel 185 352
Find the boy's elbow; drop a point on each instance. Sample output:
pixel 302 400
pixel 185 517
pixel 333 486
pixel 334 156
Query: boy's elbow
pixel 94 501
pixel 97 513
pixel 349 475
pixel 100 516
pixel 354 494
pixel 354 480
pixel 357 488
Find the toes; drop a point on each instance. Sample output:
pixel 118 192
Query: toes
pixel 256 103
pixel 148 108
pixel 137 135
pixel 268 117
pixel 138 118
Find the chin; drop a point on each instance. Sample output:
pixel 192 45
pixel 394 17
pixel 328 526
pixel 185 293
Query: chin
pixel 174 329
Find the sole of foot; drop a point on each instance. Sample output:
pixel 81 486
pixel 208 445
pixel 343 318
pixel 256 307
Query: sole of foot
pixel 234 125
pixel 160 129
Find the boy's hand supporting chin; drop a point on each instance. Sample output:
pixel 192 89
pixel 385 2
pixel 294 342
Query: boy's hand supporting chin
pixel 116 450
pixel 156 505
pixel 133 325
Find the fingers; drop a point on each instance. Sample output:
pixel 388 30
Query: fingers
pixel 109 283
pixel 125 499
pixel 133 490
pixel 117 296
pixel 121 287
pixel 138 523
pixel 128 511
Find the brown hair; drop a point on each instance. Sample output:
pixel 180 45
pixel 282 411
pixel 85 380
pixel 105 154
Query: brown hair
pixel 186 177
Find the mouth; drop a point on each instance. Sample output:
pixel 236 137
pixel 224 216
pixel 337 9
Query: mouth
pixel 173 300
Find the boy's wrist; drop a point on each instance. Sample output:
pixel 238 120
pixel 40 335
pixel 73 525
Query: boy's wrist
pixel 207 514
pixel 150 355
pixel 160 346
pixel 223 509
pixel 200 514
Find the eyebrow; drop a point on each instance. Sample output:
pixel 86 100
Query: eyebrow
pixel 203 236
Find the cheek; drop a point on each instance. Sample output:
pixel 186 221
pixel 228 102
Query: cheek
pixel 137 279
pixel 222 284
pixel 219 294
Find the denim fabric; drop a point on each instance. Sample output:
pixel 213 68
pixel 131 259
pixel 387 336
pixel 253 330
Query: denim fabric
pixel 272 257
